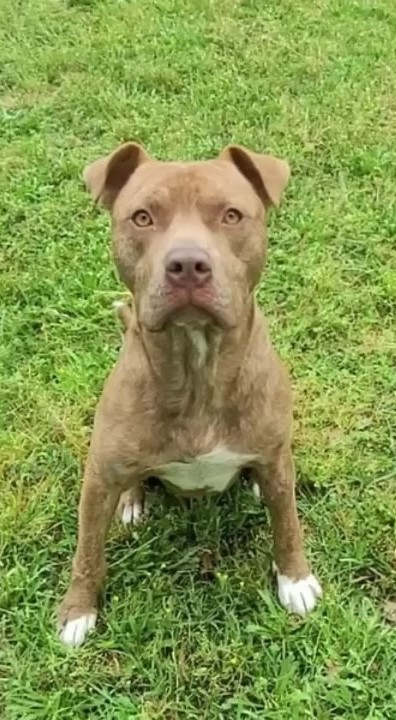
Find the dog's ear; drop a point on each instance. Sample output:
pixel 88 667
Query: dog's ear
pixel 267 175
pixel 106 176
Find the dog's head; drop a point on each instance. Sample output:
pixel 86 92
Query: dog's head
pixel 189 239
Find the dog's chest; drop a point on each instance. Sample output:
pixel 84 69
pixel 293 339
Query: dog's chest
pixel 212 472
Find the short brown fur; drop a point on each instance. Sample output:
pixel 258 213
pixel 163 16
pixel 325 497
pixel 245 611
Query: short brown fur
pixel 160 403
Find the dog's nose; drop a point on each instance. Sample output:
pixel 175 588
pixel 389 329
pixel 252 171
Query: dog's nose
pixel 188 267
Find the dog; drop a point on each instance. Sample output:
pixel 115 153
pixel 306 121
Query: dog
pixel 198 393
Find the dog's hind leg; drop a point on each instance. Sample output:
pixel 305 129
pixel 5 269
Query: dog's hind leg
pixel 131 507
pixel 124 313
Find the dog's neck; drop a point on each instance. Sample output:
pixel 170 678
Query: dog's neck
pixel 196 365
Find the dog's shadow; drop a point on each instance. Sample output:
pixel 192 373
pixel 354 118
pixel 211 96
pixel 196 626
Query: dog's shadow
pixel 181 537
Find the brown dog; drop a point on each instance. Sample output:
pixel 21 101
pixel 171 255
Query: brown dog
pixel 198 392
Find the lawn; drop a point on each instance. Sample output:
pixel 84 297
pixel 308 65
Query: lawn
pixel 191 627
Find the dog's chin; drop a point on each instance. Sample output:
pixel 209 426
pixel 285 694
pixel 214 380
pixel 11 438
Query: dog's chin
pixel 189 315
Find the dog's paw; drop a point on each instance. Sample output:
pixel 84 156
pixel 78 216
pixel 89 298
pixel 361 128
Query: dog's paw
pixel 256 490
pixel 298 596
pixel 74 632
pixel 131 514
pixel 77 612
pixel 131 507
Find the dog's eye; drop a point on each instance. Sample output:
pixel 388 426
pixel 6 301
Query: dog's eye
pixel 232 216
pixel 142 218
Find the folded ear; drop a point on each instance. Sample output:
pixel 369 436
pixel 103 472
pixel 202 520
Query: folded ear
pixel 106 176
pixel 268 175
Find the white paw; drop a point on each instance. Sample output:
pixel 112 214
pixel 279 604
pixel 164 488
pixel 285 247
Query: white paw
pixel 131 514
pixel 256 490
pixel 132 507
pixel 73 632
pixel 298 596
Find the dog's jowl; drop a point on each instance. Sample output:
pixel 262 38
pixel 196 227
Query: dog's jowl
pixel 198 392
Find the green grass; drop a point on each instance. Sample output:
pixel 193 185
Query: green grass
pixel 311 80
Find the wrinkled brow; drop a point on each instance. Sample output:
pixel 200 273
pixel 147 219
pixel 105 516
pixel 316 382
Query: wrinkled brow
pixel 152 197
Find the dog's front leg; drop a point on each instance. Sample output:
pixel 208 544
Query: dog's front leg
pixel 78 611
pixel 298 589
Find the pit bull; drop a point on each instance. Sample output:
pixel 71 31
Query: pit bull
pixel 198 393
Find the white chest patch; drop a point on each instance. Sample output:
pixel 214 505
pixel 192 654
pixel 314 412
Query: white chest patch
pixel 213 471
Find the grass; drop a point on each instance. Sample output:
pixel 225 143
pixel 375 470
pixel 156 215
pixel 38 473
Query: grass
pixel 313 81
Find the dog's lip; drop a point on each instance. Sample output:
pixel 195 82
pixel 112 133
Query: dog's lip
pixel 182 308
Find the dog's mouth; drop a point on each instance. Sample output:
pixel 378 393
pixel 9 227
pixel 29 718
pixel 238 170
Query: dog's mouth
pixel 191 315
pixel 198 307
